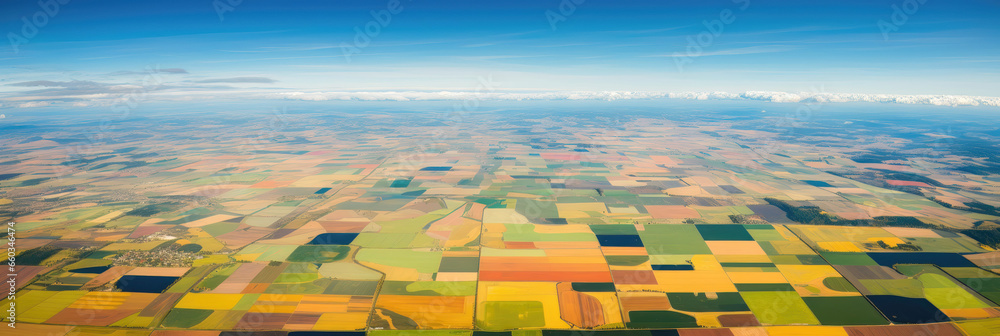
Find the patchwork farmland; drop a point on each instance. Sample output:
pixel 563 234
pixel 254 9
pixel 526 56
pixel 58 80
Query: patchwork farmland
pixel 657 227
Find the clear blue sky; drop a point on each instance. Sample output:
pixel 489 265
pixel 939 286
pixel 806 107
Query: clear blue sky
pixel 945 47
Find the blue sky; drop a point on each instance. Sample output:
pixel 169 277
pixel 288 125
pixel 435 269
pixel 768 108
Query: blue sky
pixel 945 47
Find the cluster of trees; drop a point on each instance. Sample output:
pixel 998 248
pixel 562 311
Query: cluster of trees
pixel 878 177
pixel 988 237
pixel 35 256
pixel 815 215
pixel 902 247
pixel 974 206
pixel 152 209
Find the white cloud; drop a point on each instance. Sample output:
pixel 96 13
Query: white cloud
pixel 190 94
pixel 735 51
pixel 33 104
pixel 770 96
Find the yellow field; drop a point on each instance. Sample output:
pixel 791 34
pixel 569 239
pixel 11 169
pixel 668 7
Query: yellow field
pixel 810 330
pixel 39 306
pixel 578 210
pixel 693 281
pixel 341 321
pixel 209 301
pixel 543 292
pixel 838 246
pixel 735 248
pixel 756 277
pixel 432 312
